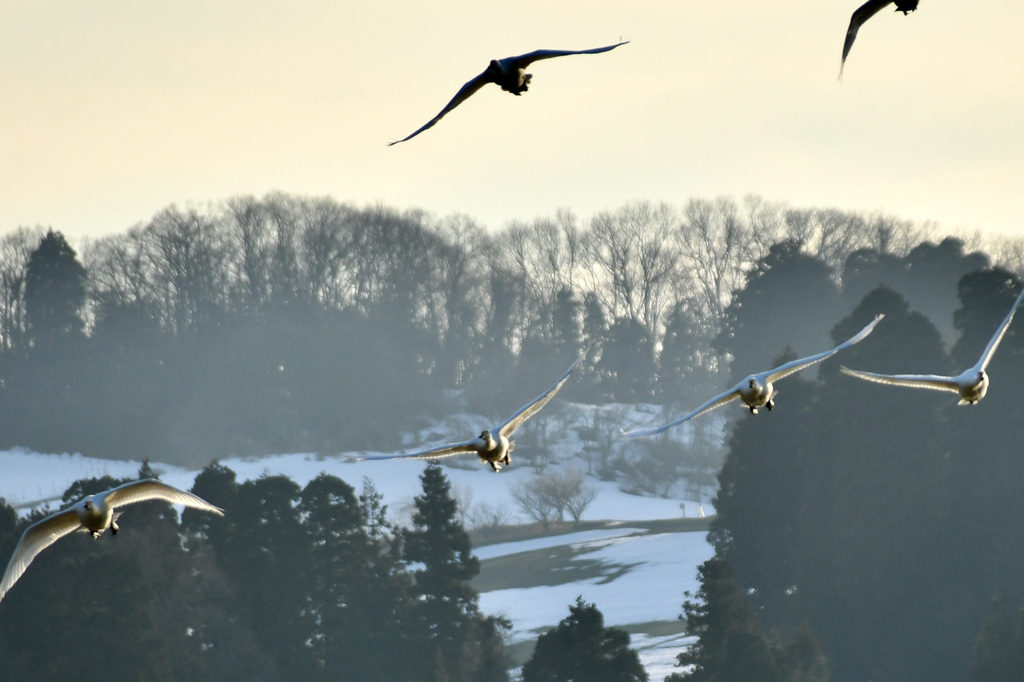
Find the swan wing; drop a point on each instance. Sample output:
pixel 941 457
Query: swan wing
pixel 534 406
pixel 717 401
pixel 447 450
pixel 860 15
pixel 998 336
pixel 931 381
pixel 524 60
pixel 36 538
pixel 152 489
pixel 796 365
pixel 464 93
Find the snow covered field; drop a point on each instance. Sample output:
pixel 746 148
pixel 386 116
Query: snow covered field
pixel 645 577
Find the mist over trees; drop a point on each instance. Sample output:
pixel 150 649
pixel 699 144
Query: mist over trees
pixel 287 323
pixel 866 527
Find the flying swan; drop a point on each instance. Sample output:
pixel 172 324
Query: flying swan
pixel 509 73
pixel 758 390
pixel 865 12
pixel 972 384
pixel 93 514
pixel 493 450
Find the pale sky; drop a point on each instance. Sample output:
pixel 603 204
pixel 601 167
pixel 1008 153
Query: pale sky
pixel 111 110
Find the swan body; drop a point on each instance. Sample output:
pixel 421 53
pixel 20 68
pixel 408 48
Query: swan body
pixel 971 384
pixel 865 12
pixel 509 74
pixel 93 514
pixel 493 446
pixel 758 390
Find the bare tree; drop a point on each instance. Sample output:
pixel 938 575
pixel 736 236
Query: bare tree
pixel 717 249
pixel 533 502
pixel 578 493
pixel 600 430
pixel 485 515
pixel 188 253
pixel 15 249
pixel 545 498
pixel 638 264
pixel 463 496
pixel 252 252
pixel 1008 252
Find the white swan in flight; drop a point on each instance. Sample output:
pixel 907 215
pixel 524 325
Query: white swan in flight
pixel 493 445
pixel 865 12
pixel 758 390
pixel 971 384
pixel 509 73
pixel 93 514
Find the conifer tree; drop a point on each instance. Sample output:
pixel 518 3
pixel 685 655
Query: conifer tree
pixel 449 621
pixel 582 648
pixel 996 655
pixel 731 646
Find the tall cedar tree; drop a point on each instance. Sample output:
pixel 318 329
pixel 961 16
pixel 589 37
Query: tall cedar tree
pixel 732 647
pixel 455 640
pixel 582 648
pixel 54 291
pixel 998 654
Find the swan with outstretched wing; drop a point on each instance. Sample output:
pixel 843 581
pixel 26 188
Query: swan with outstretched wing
pixel 758 390
pixel 493 445
pixel 93 514
pixel 971 384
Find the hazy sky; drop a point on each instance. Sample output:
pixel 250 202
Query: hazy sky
pixel 113 109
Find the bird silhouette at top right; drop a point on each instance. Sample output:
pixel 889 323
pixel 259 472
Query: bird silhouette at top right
pixel 865 12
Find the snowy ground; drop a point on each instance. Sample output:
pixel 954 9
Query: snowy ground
pixel 646 575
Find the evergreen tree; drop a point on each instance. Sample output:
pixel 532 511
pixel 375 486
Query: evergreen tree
pixel 685 365
pixel 996 655
pixel 54 291
pixel 359 602
pixel 788 299
pixel 449 630
pixel 266 557
pixel 582 648
pixel 731 646
pixel 626 366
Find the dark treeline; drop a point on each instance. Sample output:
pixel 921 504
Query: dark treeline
pixel 292 583
pixel 289 324
pixel 885 518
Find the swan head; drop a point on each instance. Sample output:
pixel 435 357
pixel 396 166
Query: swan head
pixel 906 6
pixel 751 382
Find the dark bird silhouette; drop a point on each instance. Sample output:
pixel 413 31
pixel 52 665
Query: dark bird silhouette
pixel 865 12
pixel 509 73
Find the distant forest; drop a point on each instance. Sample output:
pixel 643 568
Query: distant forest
pixel 884 524
pixel 287 324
